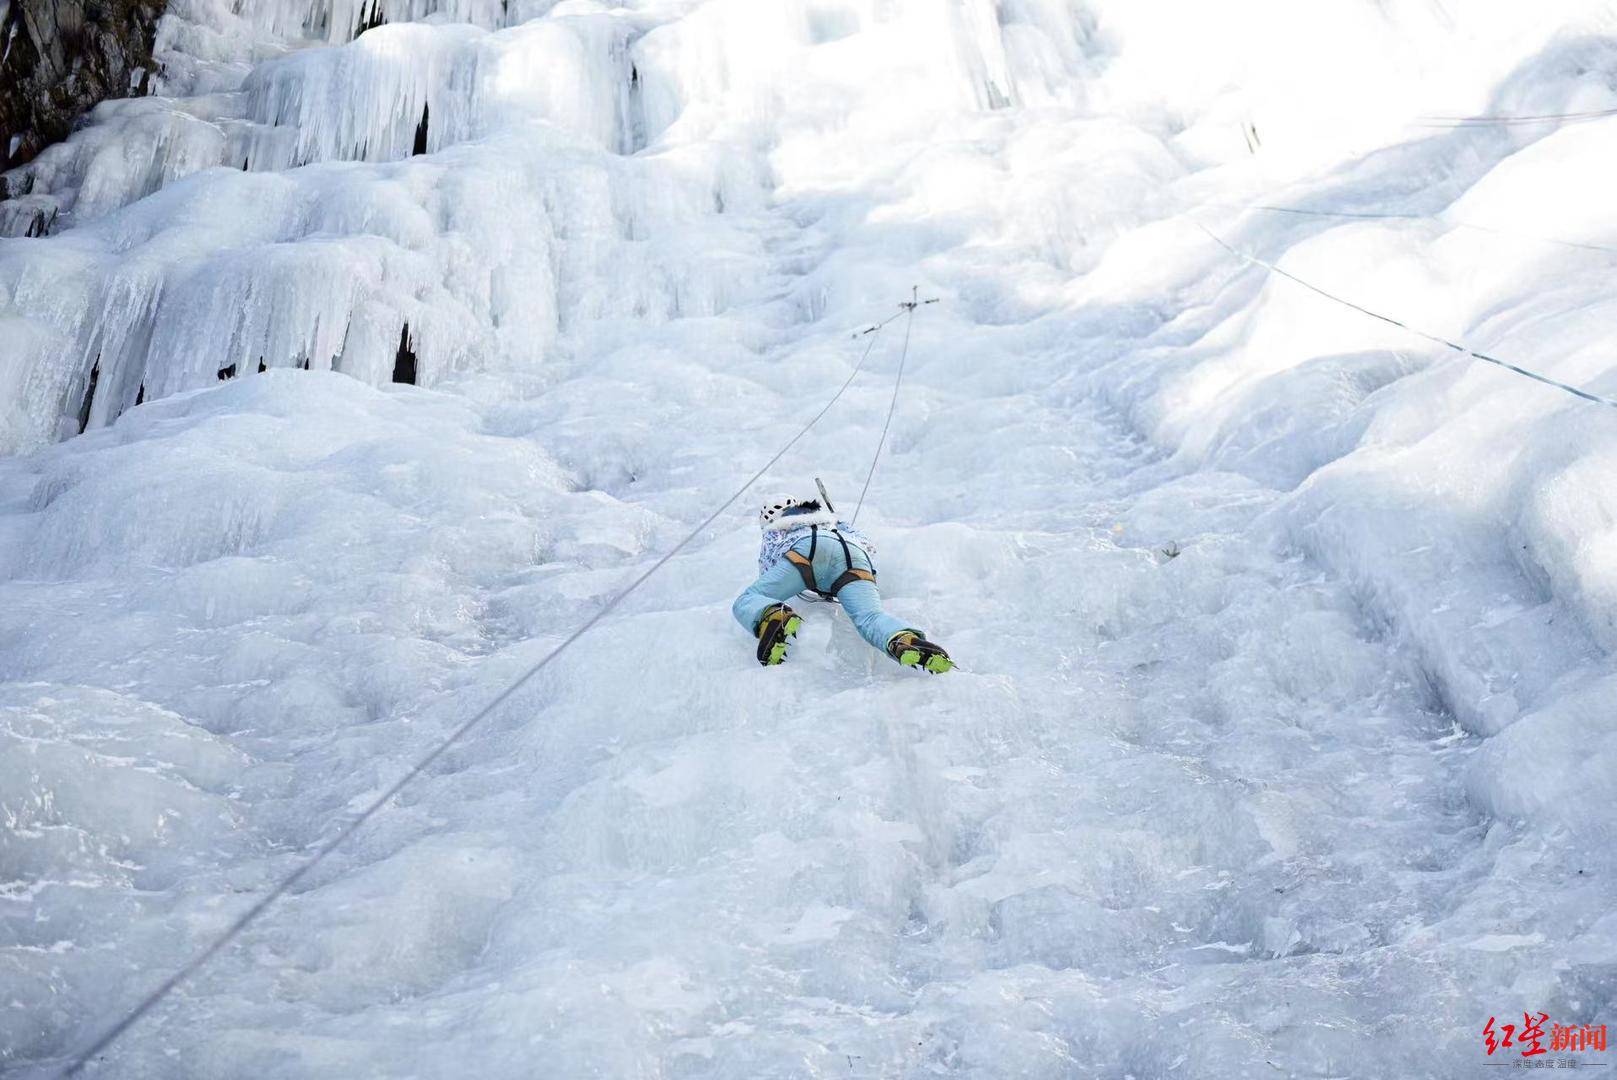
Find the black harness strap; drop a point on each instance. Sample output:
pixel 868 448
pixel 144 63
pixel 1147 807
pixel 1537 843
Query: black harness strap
pixel 805 567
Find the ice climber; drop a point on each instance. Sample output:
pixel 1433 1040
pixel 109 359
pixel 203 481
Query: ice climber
pixel 806 548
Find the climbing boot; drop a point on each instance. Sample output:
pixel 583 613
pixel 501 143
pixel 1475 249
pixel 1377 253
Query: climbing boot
pixel 913 650
pixel 775 632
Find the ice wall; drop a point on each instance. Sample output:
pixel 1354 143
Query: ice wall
pixel 355 250
pixel 1287 739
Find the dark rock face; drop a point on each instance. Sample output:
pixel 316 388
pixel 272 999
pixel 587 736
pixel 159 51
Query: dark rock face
pixel 61 57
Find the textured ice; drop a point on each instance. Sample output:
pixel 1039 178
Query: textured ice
pixel 1283 741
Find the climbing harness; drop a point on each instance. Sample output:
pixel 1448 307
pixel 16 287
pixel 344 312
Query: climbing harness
pixel 805 566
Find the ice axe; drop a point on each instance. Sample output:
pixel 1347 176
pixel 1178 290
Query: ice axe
pixel 824 498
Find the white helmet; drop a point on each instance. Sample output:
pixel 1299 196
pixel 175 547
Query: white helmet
pixel 784 513
pixel 773 508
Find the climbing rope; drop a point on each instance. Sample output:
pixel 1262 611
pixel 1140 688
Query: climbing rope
pixel 251 914
pixel 1359 215
pixel 908 312
pixel 1456 346
pixel 1487 121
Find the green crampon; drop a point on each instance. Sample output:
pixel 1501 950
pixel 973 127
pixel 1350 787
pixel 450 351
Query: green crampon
pixel 912 650
pixel 775 632
pixel 937 663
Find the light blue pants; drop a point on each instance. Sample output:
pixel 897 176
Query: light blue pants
pixel 860 599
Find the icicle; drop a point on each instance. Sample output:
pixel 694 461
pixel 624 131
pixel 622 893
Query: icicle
pixel 370 17
pixel 367 99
